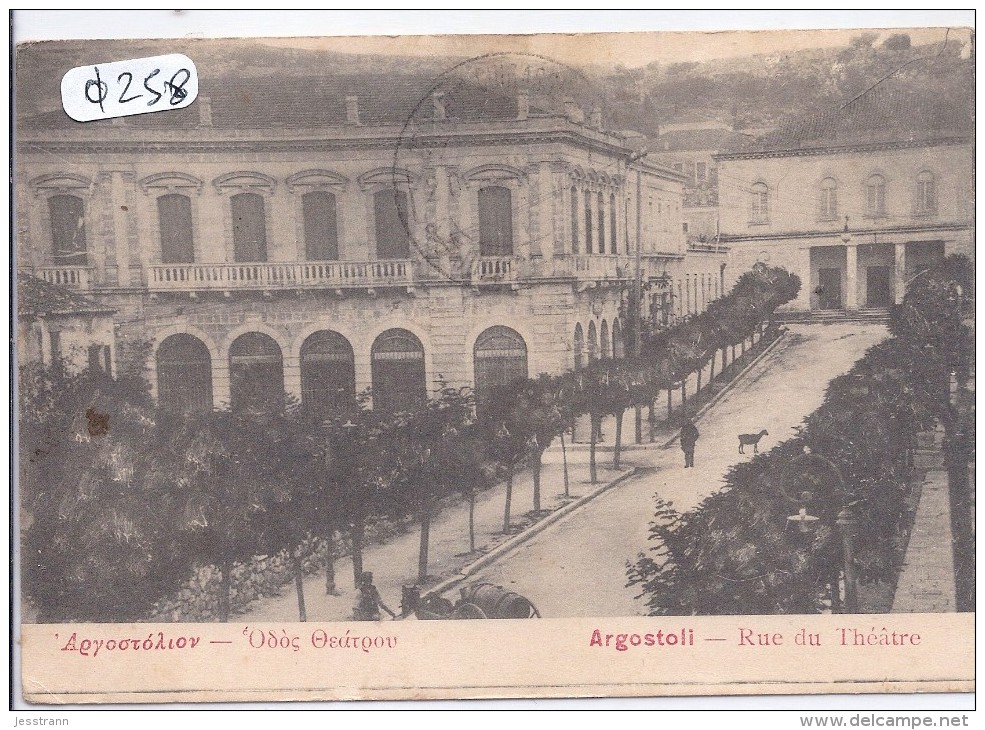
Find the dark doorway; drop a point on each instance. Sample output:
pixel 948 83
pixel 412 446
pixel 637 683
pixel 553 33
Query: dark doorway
pixel 878 286
pixel 328 375
pixel 500 357
pixel 256 373
pixel 399 379
pixel 392 224
pixel 184 375
pixel 829 288
pixel 249 228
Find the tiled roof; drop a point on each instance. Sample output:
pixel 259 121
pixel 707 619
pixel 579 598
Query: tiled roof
pixel 37 298
pixel 888 112
pixel 313 102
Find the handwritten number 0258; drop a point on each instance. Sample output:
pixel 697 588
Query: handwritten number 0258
pixel 172 86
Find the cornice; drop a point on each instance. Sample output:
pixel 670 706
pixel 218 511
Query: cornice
pixel 855 232
pixel 840 149
pixel 189 145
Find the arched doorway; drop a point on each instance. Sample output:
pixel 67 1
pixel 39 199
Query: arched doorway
pixel 328 374
pixel 184 375
pixel 500 357
pixel 579 347
pixel 593 343
pixel 605 347
pixel 256 372
pixel 399 379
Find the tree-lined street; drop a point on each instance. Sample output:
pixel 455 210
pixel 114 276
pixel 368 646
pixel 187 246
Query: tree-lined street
pixel 576 567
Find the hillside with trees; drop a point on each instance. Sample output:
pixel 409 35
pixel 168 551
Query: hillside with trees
pixel 750 93
pixel 768 90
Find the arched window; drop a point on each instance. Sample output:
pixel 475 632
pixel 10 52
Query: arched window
pixel 184 375
pixel 593 343
pixel 605 347
pixel 579 347
pixel 249 227
pixel 926 193
pixel 495 221
pixel 760 210
pixel 256 372
pixel 328 374
pixel 829 199
pixel 68 230
pixel 399 379
pixel 500 357
pixel 613 242
pixel 392 224
pixel 618 351
pixel 321 233
pixel 875 196
pixel 601 207
pixel 174 215
pixel 589 246
pixel 575 245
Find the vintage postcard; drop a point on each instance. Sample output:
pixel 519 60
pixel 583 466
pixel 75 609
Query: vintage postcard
pixel 594 365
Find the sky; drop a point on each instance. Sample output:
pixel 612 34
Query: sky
pixel 565 45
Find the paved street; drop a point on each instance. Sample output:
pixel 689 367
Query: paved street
pixel 576 567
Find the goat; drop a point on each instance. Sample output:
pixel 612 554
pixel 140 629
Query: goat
pixel 751 439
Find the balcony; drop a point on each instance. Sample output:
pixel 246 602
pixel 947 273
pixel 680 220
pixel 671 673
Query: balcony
pixel 594 267
pixel 266 276
pixel 494 270
pixel 71 277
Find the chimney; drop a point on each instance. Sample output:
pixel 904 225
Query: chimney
pixel 205 111
pixel 438 100
pixel 595 121
pixel 573 112
pixel 352 110
pixel 522 104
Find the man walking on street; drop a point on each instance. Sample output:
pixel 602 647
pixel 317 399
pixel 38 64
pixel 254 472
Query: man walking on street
pixel 689 437
pixel 370 602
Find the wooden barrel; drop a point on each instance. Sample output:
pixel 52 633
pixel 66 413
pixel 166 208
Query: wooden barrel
pixel 497 602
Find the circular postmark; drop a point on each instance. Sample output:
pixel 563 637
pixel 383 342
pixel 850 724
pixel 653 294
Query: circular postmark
pixel 476 131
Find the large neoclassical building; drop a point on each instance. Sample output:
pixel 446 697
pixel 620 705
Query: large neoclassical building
pixel 266 251
pixel 858 201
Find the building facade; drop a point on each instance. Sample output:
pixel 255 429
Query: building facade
pixel 689 145
pixel 318 262
pixel 857 202
pixel 57 325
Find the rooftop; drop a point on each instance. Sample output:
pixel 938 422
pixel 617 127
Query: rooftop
pixel 311 102
pixel 886 113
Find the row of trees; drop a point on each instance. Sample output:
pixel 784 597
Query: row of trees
pixel 740 553
pixel 123 502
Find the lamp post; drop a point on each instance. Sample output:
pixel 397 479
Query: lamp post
pixel 333 459
pixel 638 282
pixel 846 236
pixel 847 523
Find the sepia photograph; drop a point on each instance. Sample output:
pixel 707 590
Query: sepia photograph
pixel 661 344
